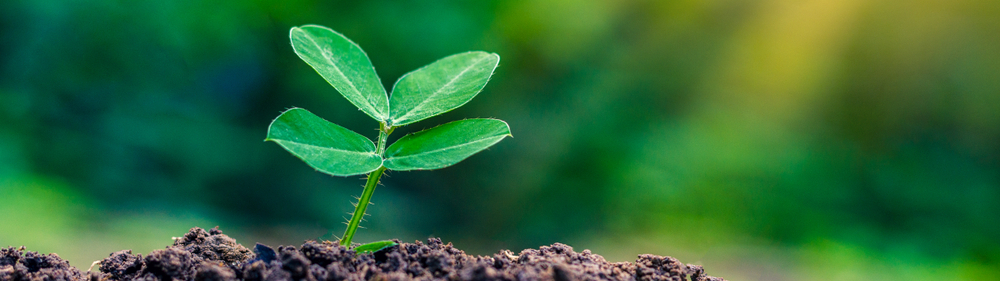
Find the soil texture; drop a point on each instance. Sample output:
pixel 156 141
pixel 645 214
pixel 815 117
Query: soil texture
pixel 210 255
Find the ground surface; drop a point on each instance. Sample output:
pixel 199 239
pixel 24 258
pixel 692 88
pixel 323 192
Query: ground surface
pixel 211 255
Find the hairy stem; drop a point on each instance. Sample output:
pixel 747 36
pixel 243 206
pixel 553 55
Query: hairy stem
pixel 359 211
pixel 383 135
pixel 366 196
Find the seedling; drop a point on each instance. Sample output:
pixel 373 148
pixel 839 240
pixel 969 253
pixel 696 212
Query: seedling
pixel 431 90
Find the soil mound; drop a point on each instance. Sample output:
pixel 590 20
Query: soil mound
pixel 210 255
pixel 18 264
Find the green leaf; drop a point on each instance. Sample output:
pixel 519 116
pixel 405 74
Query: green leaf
pixel 444 145
pixel 374 246
pixel 440 86
pixel 344 65
pixel 325 146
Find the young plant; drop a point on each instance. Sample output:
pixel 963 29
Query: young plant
pixel 428 91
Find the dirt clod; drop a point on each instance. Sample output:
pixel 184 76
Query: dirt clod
pixel 18 264
pixel 122 265
pixel 214 272
pixel 212 256
pixel 213 245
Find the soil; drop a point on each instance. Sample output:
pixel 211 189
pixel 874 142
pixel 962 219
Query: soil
pixel 211 255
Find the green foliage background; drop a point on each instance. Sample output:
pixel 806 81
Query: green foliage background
pixel 767 140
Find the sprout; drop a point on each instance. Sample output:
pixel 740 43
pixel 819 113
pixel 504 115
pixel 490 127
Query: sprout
pixel 431 90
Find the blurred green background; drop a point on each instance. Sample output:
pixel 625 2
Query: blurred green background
pixel 766 140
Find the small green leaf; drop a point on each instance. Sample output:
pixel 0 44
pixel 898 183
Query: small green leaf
pixel 444 145
pixel 440 86
pixel 325 146
pixel 344 65
pixel 374 246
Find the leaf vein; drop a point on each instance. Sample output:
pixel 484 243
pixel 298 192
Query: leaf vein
pixel 445 148
pixel 327 55
pixel 437 92
pixel 325 148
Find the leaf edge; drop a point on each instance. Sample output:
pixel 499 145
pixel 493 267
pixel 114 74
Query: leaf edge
pixel 386 159
pixel 492 72
pixel 279 142
pixel 355 44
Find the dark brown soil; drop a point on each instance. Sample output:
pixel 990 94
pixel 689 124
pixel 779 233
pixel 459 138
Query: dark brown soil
pixel 211 255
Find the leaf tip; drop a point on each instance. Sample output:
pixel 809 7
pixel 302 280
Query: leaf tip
pixel 291 33
pixel 505 125
pixel 305 26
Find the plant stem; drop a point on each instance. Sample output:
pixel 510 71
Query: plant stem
pixel 359 211
pixel 366 195
pixel 383 136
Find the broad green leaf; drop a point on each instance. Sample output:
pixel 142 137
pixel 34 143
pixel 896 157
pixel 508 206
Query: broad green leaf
pixel 325 146
pixel 375 246
pixel 440 86
pixel 344 65
pixel 444 145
